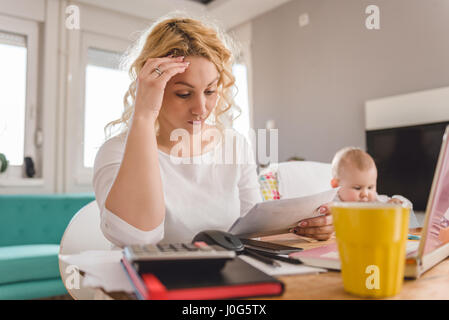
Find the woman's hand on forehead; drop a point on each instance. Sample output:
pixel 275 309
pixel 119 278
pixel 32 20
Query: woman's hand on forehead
pixel 151 83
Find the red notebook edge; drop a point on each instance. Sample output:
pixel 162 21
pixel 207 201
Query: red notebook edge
pixel 148 287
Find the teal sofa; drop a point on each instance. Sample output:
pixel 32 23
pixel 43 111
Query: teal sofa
pixel 31 228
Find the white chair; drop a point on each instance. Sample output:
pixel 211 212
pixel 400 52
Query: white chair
pixel 302 178
pixel 83 233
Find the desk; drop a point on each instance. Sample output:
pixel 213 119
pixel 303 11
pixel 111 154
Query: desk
pixel 434 284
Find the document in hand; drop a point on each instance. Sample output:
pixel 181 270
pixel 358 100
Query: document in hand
pixel 277 216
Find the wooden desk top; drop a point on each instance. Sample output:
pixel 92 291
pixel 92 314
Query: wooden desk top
pixel 433 284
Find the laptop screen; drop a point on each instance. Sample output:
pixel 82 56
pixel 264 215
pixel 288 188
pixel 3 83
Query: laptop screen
pixel 438 220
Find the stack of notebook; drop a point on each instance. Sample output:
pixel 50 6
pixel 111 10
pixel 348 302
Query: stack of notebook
pixel 237 279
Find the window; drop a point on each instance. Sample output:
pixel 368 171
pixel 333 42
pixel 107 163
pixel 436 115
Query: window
pixel 95 98
pixel 242 123
pixel 106 85
pixel 18 103
pixel 12 107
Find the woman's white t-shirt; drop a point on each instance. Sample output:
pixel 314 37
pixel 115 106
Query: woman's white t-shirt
pixel 205 192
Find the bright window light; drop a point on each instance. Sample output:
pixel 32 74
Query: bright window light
pixel 13 66
pixel 241 124
pixel 105 88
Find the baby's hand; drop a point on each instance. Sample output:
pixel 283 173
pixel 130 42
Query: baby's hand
pixel 395 201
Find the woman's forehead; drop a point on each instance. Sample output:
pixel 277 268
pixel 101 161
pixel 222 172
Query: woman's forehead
pixel 200 73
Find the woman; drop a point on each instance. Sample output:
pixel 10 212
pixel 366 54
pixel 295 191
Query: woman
pixel 181 81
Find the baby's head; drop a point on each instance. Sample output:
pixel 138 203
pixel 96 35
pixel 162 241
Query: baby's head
pixel 354 171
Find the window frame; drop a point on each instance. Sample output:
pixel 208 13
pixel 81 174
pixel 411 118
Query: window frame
pixel 30 29
pixel 78 176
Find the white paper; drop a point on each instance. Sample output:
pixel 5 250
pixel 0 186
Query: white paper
pixel 282 214
pixel 102 268
pixel 285 268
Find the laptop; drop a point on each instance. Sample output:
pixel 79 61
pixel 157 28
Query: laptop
pixel 422 254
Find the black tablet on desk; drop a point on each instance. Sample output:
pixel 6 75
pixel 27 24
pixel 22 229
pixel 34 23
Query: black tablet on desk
pixel 269 247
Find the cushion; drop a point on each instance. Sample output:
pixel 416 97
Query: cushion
pixel 36 219
pixel 302 178
pixel 32 289
pixel 294 179
pixel 28 262
pixel 269 185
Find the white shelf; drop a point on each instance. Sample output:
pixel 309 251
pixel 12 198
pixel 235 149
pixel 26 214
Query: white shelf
pixel 410 109
pixel 24 182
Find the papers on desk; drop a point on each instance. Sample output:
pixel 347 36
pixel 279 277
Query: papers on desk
pixel 102 269
pixel 277 216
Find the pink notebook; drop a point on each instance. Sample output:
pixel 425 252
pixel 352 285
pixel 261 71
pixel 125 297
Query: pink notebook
pixel 327 256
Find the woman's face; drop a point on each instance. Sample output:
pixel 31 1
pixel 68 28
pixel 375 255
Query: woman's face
pixel 189 97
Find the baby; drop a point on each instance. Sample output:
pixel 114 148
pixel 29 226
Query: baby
pixel 354 171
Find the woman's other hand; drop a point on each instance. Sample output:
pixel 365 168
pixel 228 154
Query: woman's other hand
pixel 151 83
pixel 319 228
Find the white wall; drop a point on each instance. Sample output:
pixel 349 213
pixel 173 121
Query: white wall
pixel 314 80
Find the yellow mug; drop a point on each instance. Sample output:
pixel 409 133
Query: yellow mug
pixel 372 239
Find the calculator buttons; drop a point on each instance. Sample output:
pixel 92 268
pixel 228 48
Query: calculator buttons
pixel 151 248
pixel 190 247
pixel 203 246
pixel 165 247
pixel 178 247
pixel 182 254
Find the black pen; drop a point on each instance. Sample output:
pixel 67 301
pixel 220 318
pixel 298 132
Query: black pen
pixel 262 258
pixel 280 258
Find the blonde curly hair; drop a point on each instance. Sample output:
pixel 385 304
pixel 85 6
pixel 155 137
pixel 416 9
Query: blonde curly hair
pixel 181 36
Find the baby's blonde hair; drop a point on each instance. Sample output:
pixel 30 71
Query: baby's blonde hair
pixel 181 36
pixel 351 156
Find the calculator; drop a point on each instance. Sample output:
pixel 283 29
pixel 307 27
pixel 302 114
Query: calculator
pixel 178 257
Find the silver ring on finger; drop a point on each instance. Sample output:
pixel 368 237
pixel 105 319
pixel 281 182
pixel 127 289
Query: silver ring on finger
pixel 158 71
